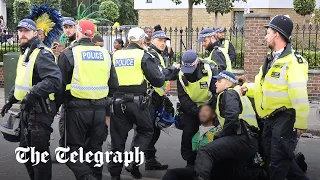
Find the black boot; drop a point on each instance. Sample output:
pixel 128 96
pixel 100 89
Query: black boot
pixel 153 164
pixel 134 170
pixel 115 178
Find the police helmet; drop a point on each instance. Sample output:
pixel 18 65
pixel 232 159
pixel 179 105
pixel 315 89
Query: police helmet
pixel 283 25
pixel 10 127
pixel 164 117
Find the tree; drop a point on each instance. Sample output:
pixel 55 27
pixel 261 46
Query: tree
pixel 109 10
pixel 190 11
pixel 127 14
pixel 304 7
pixel 316 17
pixel 53 3
pixel 21 8
pixel 220 6
pixel 68 8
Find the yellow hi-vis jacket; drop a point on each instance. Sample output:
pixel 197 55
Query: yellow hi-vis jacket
pixel 91 72
pixel 160 91
pixel 199 91
pixel 226 56
pixel 285 84
pixel 23 82
pixel 225 45
pixel 248 114
pixel 127 63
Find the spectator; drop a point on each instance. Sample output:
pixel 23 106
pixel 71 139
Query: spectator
pixel 148 31
pixel 98 40
pixel 118 44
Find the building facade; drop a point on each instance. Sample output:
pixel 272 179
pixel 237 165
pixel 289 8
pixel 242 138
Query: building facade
pixel 168 14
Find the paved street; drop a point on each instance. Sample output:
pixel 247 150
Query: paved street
pixel 168 151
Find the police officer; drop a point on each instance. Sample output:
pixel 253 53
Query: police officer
pixel 167 53
pixel 135 68
pixel 238 139
pixel 226 44
pixel 69 29
pixel 88 77
pixel 216 53
pixel 158 45
pixel 281 98
pixel 38 76
pixel 195 87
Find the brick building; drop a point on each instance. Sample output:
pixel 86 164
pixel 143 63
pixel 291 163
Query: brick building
pixel 166 13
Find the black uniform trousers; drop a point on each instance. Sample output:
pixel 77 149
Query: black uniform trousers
pixel 190 126
pixel 85 128
pixel 279 140
pixel 38 127
pixel 234 147
pixel 124 115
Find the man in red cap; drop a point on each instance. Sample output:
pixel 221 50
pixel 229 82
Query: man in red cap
pixel 88 77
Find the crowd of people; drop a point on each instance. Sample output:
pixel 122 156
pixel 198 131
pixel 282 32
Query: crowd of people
pixel 102 96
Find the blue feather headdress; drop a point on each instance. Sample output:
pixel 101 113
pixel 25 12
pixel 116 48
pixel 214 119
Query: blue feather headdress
pixel 49 20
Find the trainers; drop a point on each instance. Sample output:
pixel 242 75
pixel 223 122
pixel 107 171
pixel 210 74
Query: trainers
pixel 134 170
pixel 153 164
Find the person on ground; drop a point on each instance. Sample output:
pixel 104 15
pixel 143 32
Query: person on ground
pixel 195 87
pixel 238 137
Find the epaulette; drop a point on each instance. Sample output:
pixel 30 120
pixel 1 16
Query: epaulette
pixel 151 54
pixel 73 45
pixel 210 63
pixel 217 48
pixel 299 57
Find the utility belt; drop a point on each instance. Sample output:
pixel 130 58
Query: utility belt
pixel 40 106
pixel 85 104
pixel 276 112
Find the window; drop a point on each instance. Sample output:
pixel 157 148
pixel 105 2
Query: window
pixel 149 1
pixel 238 19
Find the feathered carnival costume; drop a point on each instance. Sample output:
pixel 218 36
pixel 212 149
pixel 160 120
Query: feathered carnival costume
pixel 49 20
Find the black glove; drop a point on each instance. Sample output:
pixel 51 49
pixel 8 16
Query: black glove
pixel 8 105
pixel 29 100
pixel 5 108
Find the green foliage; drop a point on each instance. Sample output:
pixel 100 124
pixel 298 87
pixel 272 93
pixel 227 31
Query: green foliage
pixel 194 2
pixel 68 8
pixel 316 18
pixel 219 6
pixel 128 15
pixel 53 3
pixel 304 7
pixel 82 13
pixel 21 8
pixel 109 10
pixel 9 3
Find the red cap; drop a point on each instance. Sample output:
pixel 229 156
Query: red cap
pixel 86 27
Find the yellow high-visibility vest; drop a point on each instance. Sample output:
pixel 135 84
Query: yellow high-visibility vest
pixel 91 72
pixel 248 114
pixel 160 91
pixel 226 56
pixel 199 91
pixel 284 85
pixel 23 82
pixel 127 63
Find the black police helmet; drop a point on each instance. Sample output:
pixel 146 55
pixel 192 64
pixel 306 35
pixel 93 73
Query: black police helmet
pixel 283 25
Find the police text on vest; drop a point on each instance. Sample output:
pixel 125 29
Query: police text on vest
pixel 125 62
pixel 92 55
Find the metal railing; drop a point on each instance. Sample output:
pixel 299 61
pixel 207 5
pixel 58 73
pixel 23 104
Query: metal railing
pixel 305 39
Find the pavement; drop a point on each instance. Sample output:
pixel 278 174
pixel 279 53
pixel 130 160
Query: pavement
pixel 168 152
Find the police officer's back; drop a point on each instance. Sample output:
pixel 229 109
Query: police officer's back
pixel 195 87
pixel 212 46
pixel 135 69
pixel 37 78
pixel 88 78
